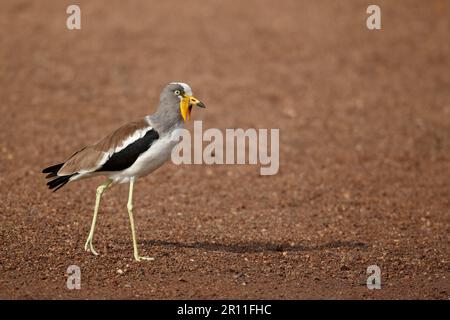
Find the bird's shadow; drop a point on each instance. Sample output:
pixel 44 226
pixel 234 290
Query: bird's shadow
pixel 256 246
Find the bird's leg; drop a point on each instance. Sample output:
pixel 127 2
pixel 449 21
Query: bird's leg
pixel 101 188
pixel 133 232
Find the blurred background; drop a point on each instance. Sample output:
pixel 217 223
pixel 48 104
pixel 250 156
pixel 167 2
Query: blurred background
pixel 364 118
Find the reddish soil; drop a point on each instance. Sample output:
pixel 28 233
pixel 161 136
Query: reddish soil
pixel 364 120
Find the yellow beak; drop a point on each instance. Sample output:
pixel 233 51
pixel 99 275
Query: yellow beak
pixel 186 106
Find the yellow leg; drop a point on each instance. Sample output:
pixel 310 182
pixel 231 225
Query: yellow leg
pixel 101 188
pixel 133 232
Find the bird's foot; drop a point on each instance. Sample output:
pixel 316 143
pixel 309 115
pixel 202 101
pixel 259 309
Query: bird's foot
pixel 88 246
pixel 139 258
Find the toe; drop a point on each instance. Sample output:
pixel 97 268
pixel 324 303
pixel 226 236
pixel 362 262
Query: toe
pixel 147 258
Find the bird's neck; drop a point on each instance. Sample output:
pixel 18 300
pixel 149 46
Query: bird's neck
pixel 165 120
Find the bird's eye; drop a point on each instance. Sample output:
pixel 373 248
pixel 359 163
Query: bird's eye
pixel 177 92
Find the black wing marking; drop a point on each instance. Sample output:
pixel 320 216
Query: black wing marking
pixel 127 156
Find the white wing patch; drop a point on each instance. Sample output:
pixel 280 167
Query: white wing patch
pixel 135 136
pixel 138 134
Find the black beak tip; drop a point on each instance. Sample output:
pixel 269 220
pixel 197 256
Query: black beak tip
pixel 201 105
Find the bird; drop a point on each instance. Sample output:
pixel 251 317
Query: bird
pixel 133 151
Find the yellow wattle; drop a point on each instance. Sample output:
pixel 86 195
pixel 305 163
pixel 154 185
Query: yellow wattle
pixel 184 108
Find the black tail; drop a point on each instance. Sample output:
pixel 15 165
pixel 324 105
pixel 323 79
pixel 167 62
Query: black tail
pixel 58 182
pixel 53 169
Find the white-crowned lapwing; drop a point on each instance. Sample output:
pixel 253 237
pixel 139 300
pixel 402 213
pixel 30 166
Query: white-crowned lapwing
pixel 132 151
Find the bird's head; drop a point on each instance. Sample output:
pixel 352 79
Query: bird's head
pixel 180 94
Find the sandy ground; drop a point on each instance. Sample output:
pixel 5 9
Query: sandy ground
pixel 364 120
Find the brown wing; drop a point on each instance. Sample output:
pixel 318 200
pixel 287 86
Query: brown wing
pixel 91 158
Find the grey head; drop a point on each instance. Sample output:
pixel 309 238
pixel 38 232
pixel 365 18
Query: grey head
pixel 175 104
